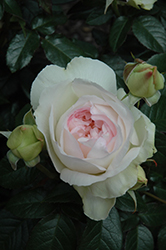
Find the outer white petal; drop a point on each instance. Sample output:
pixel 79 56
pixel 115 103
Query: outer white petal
pixel 64 96
pixel 117 185
pixel 108 3
pixel 80 67
pixel 93 71
pixel 95 208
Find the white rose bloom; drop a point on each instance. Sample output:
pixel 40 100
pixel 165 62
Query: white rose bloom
pixel 94 140
pixel 145 4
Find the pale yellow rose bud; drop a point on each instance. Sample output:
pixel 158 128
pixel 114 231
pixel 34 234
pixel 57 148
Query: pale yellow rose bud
pixel 26 142
pixel 141 179
pixel 142 79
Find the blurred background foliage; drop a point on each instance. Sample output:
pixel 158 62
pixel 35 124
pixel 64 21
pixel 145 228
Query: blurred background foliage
pixel 40 213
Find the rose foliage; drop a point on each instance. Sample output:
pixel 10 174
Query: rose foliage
pixel 82 125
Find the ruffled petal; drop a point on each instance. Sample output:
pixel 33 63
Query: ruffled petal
pixel 117 185
pixel 95 208
pixel 80 67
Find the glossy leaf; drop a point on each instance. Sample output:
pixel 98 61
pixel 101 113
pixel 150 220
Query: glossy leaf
pixel 159 61
pixel 60 50
pixel 150 32
pixel 14 232
pixel 101 235
pixel 29 204
pixel 154 215
pixel 156 113
pixel 21 50
pixel 125 203
pixel 46 24
pixel 54 232
pixel 63 193
pixel 97 17
pixel 162 239
pixel 10 178
pixel 160 190
pixel 12 7
pixel 119 32
pixel 139 238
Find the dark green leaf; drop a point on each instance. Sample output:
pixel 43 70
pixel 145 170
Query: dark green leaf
pixel 154 215
pixel 63 193
pixel 160 190
pixel 10 178
pixel 101 235
pixel 1 10
pixel 130 222
pixel 97 17
pixel 29 204
pixel 30 9
pixel 117 64
pixel 12 7
pixel 150 32
pixel 54 232
pixel 125 203
pixel 21 50
pixel 88 48
pixel 46 5
pixel 119 31
pixel 162 239
pixel 139 238
pixel 46 24
pixel 159 60
pixel 14 232
pixel 60 50
pixel 157 113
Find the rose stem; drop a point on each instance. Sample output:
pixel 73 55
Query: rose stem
pixel 46 171
pixel 155 197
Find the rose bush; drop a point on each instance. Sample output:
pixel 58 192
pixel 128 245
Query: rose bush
pixel 94 140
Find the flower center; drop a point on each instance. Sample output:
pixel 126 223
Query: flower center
pixel 90 127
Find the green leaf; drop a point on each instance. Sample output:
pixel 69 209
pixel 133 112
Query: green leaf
pixel 30 204
pixel 139 238
pixel 46 24
pixel 14 232
pixel 10 178
pixel 46 5
pixel 12 7
pixel 150 32
pixel 156 113
pixel 21 50
pixel 63 193
pixel 88 48
pixel 60 50
pixel 159 60
pixel 1 10
pixel 160 190
pixel 162 239
pixel 119 31
pixel 54 232
pixel 154 215
pixel 101 235
pixel 97 17
pixel 125 203
pixel 130 222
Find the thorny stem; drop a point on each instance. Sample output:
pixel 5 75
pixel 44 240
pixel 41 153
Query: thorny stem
pixel 46 171
pixel 155 197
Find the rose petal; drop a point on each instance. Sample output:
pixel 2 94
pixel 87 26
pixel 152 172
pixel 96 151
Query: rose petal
pixel 95 208
pixel 117 185
pixel 79 67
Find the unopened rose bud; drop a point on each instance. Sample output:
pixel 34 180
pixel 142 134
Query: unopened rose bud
pixel 141 179
pixel 142 79
pixel 26 142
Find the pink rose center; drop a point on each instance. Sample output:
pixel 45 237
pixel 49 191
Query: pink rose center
pixel 89 126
